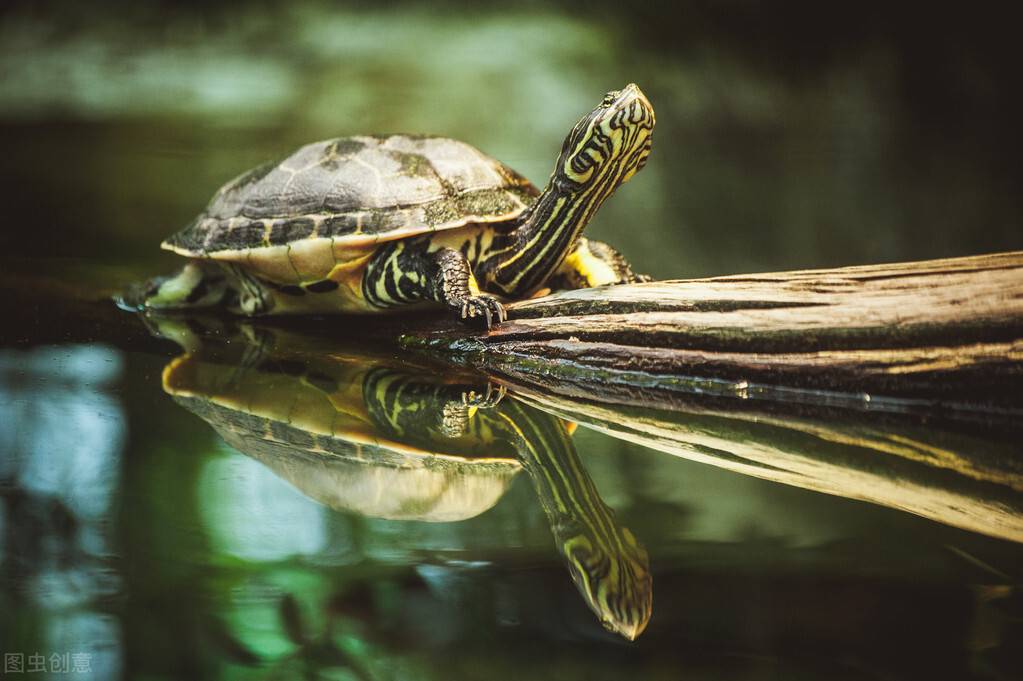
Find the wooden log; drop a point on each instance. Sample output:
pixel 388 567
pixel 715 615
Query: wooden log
pixel 942 330
pixel 894 384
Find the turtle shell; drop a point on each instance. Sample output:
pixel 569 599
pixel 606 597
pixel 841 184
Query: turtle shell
pixel 354 192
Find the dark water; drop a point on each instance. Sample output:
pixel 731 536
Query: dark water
pixel 137 542
pixel 136 535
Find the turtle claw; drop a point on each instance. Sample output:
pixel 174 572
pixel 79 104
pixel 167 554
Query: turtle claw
pixel 485 309
pixel 456 413
pixel 485 400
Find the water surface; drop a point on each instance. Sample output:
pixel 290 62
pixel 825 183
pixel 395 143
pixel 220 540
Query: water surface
pixel 159 545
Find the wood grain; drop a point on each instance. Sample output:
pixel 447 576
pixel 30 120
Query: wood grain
pixel 949 330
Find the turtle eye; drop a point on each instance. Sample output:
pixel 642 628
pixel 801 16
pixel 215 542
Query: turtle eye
pixel 610 98
pixel 584 160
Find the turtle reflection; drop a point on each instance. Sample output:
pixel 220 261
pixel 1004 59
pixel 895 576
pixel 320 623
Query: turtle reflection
pixel 388 440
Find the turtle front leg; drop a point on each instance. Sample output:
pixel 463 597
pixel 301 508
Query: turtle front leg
pixel 455 286
pixel 406 405
pixel 593 263
pixel 407 272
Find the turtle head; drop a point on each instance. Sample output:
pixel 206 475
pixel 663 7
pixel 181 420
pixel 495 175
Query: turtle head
pixel 614 579
pixel 608 145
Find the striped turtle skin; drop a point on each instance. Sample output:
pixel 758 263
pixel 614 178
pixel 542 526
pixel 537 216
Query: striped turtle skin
pixel 371 224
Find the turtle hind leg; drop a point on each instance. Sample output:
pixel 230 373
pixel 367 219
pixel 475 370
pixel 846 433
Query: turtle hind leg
pixel 196 285
pixel 593 263
pixel 406 272
pixel 203 285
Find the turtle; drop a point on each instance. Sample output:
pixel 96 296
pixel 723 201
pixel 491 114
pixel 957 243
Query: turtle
pixel 360 432
pixel 376 223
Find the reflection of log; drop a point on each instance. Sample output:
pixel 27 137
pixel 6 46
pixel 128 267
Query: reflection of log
pixel 940 471
pixel 943 329
pixel 633 360
pixel 823 379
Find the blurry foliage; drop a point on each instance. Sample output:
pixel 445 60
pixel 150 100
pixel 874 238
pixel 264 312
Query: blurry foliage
pixel 788 136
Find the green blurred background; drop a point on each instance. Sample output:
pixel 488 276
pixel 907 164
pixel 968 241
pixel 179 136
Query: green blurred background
pixel 789 135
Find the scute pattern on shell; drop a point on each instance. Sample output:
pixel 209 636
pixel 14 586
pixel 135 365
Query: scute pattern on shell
pixel 348 468
pixel 357 188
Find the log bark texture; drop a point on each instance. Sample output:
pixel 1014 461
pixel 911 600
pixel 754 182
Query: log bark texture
pixel 947 330
pixel 894 384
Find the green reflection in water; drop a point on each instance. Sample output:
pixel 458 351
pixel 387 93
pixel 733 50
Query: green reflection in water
pixel 361 433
